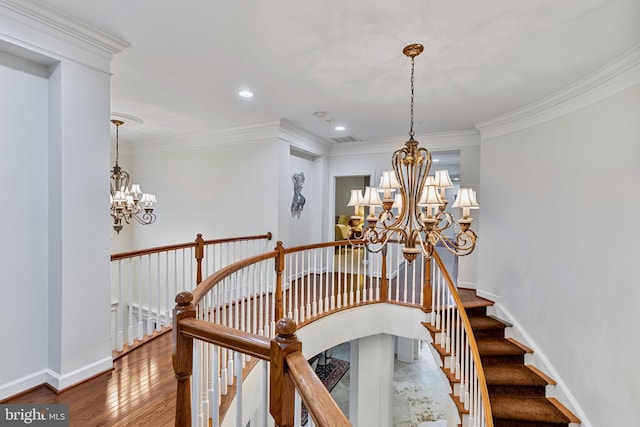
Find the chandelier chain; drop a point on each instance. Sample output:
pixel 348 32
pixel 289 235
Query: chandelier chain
pixel 411 133
pixel 117 142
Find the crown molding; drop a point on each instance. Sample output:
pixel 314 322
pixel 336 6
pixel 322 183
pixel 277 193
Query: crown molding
pixel 302 140
pixel 436 141
pixel 43 17
pixel 613 78
pixel 221 138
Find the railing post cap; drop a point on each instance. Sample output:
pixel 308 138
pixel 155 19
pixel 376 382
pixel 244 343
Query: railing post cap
pixel 184 298
pixel 286 327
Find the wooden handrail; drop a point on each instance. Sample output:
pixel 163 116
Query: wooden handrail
pixel 482 381
pixel 289 370
pixel 207 284
pixel 322 245
pixel 122 255
pixel 234 339
pixel 322 408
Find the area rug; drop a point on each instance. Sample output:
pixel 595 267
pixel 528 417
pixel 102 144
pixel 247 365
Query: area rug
pixel 330 375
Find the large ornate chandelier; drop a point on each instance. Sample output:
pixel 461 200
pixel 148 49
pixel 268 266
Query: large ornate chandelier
pixel 421 219
pixel 128 203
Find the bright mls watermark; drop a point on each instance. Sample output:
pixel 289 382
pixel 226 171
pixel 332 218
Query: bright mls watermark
pixel 54 415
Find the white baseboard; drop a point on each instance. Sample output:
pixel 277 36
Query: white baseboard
pixel 540 361
pixel 22 384
pixel 60 382
pixel 467 285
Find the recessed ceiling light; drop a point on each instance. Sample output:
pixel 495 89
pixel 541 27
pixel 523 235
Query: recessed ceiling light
pixel 435 160
pixel 339 128
pixel 456 179
pixel 245 94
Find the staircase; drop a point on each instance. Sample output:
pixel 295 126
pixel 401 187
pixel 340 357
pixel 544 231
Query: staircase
pixel 517 392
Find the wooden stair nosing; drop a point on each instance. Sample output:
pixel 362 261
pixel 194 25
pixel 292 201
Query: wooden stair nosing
pixel 459 404
pixel 567 413
pixel 451 377
pixel 526 409
pixel 519 344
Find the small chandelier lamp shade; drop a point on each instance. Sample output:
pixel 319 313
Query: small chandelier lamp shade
pixel 128 202
pixel 416 217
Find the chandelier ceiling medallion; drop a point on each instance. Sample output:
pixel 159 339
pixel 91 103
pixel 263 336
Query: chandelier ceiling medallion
pixel 126 202
pixel 421 219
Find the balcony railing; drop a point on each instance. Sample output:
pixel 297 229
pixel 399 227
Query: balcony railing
pixel 144 283
pixel 250 310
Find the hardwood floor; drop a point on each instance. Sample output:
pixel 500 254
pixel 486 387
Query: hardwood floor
pixel 140 391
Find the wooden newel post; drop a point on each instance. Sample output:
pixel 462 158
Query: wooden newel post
pixel 426 287
pixel 183 359
pixel 384 284
pixel 282 389
pixel 279 269
pixel 199 257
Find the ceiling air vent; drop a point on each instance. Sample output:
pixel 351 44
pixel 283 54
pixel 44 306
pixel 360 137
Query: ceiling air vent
pixel 343 139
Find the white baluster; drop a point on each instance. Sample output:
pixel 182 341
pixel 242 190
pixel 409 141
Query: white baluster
pixel 139 302
pixel 317 291
pixel 398 260
pixel 196 403
pixel 239 397
pixel 149 296
pixel 158 322
pixel 214 390
pixel 131 328
pixel 300 282
pixel 297 410
pixel 230 371
pixel 120 310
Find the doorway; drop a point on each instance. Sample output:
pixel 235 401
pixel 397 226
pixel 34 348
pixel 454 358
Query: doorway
pixel 342 212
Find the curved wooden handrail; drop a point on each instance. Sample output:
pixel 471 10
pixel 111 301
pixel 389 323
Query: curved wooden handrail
pixel 207 284
pixel 130 254
pixel 267 236
pixel 322 408
pixel 149 251
pixel 234 339
pixel 322 245
pixel 482 381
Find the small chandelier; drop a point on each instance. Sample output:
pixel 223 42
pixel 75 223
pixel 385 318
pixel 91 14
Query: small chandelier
pixel 128 203
pixel 421 218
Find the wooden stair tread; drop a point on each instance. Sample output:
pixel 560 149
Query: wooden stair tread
pixel 486 323
pixel 431 328
pixel 498 347
pixel 470 299
pixel 527 409
pixel 519 375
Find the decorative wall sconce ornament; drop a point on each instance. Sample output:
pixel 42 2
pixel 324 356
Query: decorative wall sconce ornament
pixel 298 199
pixel 421 218
pixel 127 203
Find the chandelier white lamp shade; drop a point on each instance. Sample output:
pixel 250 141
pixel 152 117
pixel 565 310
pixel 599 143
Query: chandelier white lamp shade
pixel 128 203
pixel 420 218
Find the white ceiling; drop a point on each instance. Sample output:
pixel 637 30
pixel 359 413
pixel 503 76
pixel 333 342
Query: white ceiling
pixel 188 60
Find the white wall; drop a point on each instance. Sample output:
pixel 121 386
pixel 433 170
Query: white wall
pixel 219 191
pixel 470 177
pixel 559 247
pixel 24 225
pixel 308 227
pixel 55 152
